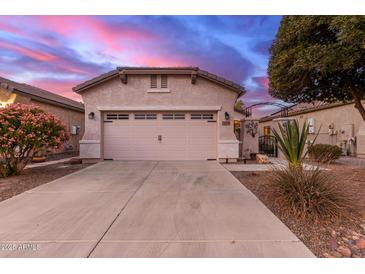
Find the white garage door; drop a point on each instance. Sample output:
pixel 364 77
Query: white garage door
pixel 160 136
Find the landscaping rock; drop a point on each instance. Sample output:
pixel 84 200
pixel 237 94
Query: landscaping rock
pixel 344 251
pixel 360 243
pixel 75 161
pixel 363 227
pixel 262 159
pixel 326 255
pixel 333 244
pixel 336 254
pixel 333 234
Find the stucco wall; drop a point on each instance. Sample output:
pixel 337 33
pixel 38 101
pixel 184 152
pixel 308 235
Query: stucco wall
pixel 67 116
pixel 340 117
pixel 114 93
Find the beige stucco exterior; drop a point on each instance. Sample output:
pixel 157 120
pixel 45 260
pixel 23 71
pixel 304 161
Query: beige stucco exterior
pixel 68 116
pixel 181 95
pixel 339 125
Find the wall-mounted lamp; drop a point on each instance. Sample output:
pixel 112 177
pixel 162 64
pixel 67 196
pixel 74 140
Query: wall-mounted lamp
pixel 226 115
pixel 91 115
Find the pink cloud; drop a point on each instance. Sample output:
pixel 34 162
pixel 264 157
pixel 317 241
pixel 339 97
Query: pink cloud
pixel 262 81
pixel 150 60
pixel 111 35
pixel 37 55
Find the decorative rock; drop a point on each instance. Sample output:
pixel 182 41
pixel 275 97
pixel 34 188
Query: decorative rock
pixel 345 251
pixel 75 161
pixel 262 159
pixel 355 237
pixel 360 243
pixel 336 254
pixel 333 234
pixel 326 255
pixel 345 239
pixel 333 244
pixel 363 227
pixel 355 256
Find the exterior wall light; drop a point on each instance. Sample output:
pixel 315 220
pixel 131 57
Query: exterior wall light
pixel 91 115
pixel 226 115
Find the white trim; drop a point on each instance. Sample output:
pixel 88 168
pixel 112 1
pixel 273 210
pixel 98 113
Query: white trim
pixel 228 142
pixel 159 108
pixel 158 90
pixel 89 141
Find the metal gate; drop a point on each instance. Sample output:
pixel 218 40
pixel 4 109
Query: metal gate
pixel 268 145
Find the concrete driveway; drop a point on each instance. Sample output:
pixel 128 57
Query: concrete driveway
pixel 144 209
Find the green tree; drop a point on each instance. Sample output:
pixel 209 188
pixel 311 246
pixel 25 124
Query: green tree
pixel 319 58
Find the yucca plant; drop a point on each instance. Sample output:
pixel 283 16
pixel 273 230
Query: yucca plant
pixel 291 141
pixel 311 194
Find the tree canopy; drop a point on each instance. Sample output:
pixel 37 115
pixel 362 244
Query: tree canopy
pixel 319 58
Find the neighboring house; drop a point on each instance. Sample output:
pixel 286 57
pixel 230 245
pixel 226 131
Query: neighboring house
pixel 154 113
pixel 337 124
pixel 70 112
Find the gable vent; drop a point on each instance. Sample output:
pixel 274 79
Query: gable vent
pixel 153 81
pixel 164 81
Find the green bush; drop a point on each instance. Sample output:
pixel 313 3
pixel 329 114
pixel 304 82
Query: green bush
pixel 311 194
pixel 324 153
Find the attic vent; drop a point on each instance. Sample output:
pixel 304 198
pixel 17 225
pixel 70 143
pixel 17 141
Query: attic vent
pixel 153 81
pixel 164 81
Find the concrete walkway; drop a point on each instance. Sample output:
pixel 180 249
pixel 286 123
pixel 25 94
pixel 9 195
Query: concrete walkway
pixel 144 209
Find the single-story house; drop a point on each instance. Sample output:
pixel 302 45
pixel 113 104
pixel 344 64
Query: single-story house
pixel 159 113
pixel 70 112
pixel 335 123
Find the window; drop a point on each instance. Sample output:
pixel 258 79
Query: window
pixel 173 116
pixel 145 116
pixel 164 81
pixel 116 116
pixel 202 116
pixel 154 81
pixel 267 130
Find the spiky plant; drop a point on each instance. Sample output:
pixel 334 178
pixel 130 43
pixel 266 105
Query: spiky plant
pixel 291 141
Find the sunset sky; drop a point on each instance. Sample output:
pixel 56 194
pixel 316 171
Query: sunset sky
pixel 59 52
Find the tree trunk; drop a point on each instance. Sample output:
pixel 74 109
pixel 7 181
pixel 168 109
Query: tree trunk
pixel 359 106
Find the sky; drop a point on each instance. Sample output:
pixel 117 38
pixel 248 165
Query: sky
pixel 58 52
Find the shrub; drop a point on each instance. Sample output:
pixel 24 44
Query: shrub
pixel 324 153
pixel 25 129
pixel 311 194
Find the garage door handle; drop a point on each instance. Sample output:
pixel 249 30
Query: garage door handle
pixel 159 137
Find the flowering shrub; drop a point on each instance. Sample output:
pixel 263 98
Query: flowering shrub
pixel 25 129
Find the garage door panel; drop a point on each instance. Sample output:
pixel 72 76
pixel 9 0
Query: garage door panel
pixel 183 139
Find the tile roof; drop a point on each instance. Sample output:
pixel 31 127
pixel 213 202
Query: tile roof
pixel 41 94
pixel 202 73
pixel 301 108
